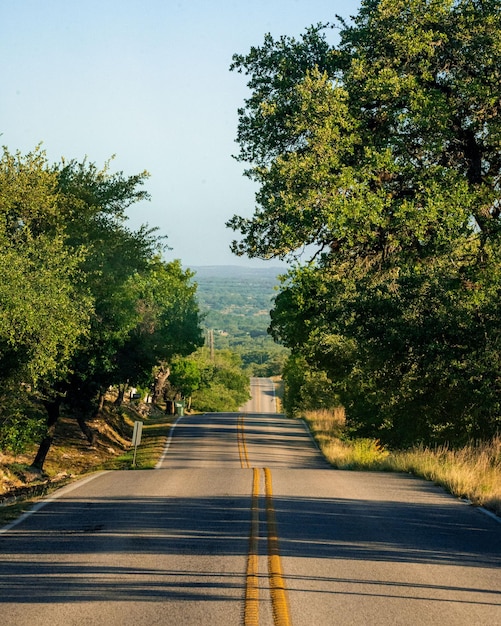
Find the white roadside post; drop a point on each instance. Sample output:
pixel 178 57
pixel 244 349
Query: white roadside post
pixel 136 439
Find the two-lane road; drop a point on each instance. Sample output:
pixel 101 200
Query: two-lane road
pixel 263 399
pixel 243 520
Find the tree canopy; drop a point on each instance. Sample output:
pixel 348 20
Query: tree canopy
pixel 224 385
pixel 86 302
pixel 42 319
pixel 380 157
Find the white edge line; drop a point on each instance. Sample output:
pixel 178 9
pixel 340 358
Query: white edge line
pixel 479 508
pixel 312 438
pixel 274 395
pixel 167 444
pixel 59 494
pixel 490 514
pixel 39 505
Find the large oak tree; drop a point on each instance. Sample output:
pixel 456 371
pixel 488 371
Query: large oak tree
pixel 381 157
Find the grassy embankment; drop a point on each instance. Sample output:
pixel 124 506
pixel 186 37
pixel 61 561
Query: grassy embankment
pixel 71 457
pixel 472 472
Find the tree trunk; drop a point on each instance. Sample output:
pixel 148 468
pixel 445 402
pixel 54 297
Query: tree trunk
pixel 100 405
pixel 121 395
pixel 53 408
pixel 159 384
pixel 88 432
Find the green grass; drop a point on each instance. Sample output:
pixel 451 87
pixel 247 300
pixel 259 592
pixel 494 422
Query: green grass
pixel 153 438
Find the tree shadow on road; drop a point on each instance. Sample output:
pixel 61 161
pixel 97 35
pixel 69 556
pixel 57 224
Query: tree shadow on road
pixel 97 549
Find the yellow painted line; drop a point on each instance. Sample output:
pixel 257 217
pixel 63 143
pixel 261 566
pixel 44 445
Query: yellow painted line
pixel 244 443
pixel 279 599
pixel 251 607
pixel 278 590
pixel 242 446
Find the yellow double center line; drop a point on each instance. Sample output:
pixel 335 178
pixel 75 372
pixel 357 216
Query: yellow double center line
pixel 278 590
pixel 242 446
pixel 251 608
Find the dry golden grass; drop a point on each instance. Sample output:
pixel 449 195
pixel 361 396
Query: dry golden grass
pixel 279 393
pixel 70 455
pixel 472 472
pixel 361 454
pixel 326 424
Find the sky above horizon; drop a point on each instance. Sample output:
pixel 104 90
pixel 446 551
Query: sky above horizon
pixel 149 82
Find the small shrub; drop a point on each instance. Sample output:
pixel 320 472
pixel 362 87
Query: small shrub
pixel 362 454
pixel 18 431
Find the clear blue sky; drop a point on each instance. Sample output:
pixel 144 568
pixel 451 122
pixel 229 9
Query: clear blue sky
pixel 148 81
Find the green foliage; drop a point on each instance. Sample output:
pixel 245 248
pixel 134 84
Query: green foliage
pixel 185 376
pixel 20 425
pixel 167 321
pixel 237 303
pixel 43 316
pixel 305 388
pixel 85 302
pixel 224 386
pixel 91 205
pixel 382 156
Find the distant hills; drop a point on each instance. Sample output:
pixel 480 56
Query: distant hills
pixel 237 271
pixel 231 290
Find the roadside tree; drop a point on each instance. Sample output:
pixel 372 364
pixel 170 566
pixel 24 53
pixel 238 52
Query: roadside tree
pixel 224 385
pixel 44 316
pixel 381 156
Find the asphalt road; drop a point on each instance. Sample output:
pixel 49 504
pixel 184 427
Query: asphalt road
pixel 211 537
pixel 263 398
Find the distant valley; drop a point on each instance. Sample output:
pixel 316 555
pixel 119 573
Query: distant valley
pixel 237 303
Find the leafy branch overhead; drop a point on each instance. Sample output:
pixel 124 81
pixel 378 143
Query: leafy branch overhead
pixel 380 158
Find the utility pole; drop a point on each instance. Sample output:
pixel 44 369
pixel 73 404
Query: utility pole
pixel 210 342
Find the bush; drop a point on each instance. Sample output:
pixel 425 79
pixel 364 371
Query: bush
pixel 18 431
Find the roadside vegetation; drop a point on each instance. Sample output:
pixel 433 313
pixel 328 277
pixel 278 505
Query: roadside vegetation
pixel 86 302
pixel 377 162
pixel 72 457
pixel 378 166
pixel 472 472
pixel 89 307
